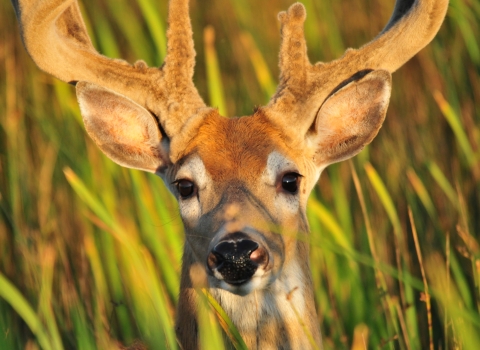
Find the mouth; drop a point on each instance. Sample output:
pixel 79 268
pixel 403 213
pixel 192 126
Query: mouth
pixel 241 287
pixel 236 283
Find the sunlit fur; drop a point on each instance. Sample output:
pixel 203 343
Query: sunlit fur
pixel 239 177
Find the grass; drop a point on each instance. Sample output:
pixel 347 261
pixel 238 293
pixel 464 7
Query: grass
pixel 90 252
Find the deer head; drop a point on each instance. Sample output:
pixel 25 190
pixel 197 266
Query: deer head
pixel 242 183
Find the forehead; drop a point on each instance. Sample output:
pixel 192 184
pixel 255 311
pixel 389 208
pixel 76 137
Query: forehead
pixel 237 147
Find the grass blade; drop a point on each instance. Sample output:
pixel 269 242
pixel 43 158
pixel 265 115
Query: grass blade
pixel 384 196
pixel 18 302
pixel 215 85
pixel 456 125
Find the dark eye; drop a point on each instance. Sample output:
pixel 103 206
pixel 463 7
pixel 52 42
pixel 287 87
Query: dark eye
pixel 290 182
pixel 185 188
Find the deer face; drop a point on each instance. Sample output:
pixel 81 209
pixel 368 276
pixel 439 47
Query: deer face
pixel 242 195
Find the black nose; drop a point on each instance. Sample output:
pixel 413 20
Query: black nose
pixel 234 260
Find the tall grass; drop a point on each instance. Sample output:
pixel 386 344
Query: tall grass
pixel 90 253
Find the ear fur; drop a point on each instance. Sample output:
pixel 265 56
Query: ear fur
pixel 125 131
pixel 350 118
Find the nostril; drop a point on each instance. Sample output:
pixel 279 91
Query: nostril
pixel 259 256
pixel 214 260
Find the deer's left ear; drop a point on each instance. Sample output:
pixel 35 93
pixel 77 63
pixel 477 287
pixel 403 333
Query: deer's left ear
pixel 350 118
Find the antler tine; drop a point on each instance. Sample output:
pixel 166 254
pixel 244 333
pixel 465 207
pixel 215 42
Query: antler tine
pixel 412 26
pixel 293 60
pixel 184 98
pixel 295 68
pixel 180 59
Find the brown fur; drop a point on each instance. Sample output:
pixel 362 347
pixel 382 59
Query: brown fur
pixel 241 146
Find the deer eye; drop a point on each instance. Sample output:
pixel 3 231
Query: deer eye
pixel 290 182
pixel 185 187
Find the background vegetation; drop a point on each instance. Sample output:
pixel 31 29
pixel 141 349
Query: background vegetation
pixel 90 252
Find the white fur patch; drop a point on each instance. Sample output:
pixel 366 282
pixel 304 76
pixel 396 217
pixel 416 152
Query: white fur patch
pixel 277 164
pixel 291 282
pixel 193 169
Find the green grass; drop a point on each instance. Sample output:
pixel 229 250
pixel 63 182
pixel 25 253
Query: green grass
pixel 90 253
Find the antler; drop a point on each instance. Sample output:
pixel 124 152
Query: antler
pixel 304 87
pixel 55 36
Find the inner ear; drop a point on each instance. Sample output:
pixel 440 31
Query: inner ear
pixel 125 131
pixel 351 117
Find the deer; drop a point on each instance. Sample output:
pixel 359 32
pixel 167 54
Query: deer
pixel 241 183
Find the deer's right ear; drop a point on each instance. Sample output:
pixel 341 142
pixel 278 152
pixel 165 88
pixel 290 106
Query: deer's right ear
pixel 125 131
pixel 350 118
